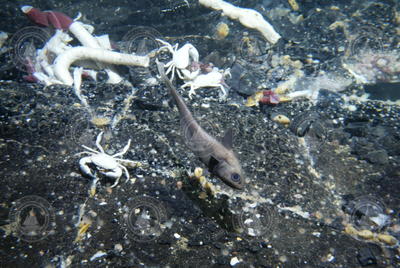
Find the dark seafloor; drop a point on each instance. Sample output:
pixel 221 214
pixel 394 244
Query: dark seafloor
pixel 335 166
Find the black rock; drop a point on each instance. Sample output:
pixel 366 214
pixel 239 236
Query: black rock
pixel 366 257
pixel 222 260
pixel 254 247
pixel 358 129
pixel 383 91
pixel 377 157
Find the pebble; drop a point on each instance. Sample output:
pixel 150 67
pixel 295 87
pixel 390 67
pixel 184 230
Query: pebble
pixel 118 247
pixel 378 157
pixel 97 255
pixel 177 236
pixel 234 261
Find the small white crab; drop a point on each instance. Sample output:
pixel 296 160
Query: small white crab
pixel 181 60
pixel 107 165
pixel 215 78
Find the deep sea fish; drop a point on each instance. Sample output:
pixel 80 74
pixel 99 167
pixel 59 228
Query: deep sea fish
pixel 218 156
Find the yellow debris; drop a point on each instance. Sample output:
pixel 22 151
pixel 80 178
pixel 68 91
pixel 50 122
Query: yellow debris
pixel 202 180
pixel 203 195
pixel 349 229
pixel 83 227
pixel 284 99
pixel 366 234
pixel 221 31
pixel 205 184
pixel 254 99
pixel 387 239
pixel 100 121
pixel 294 5
pixel 369 235
pixel 198 172
pixel 133 164
pixel 281 119
pixel 209 188
pixel 92 190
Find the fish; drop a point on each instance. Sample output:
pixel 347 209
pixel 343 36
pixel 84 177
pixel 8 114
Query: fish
pixel 218 156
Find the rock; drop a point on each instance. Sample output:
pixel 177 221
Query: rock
pixel 234 261
pixel 366 257
pixel 243 81
pixel 358 129
pixel 378 157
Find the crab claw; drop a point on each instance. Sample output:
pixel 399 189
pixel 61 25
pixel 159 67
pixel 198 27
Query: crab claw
pixel 193 53
pixel 83 164
pixel 46 18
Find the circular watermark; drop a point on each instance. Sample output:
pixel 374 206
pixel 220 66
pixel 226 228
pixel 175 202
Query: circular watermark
pixel 25 43
pixel 365 38
pixel 218 234
pixel 15 110
pixel 312 127
pixel 78 128
pixel 200 140
pixel 39 123
pixel 144 218
pixel 255 220
pixel 253 48
pixel 369 219
pixel 33 218
pixel 368 213
pixel 141 41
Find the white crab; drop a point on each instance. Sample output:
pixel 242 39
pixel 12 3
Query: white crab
pixel 182 58
pixel 215 78
pixel 108 165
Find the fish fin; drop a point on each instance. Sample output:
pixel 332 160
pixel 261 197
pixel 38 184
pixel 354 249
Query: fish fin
pixel 227 140
pixel 213 163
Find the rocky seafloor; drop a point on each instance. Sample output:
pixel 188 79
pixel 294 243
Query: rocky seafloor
pixel 321 191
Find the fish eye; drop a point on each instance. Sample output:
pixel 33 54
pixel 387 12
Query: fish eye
pixel 235 177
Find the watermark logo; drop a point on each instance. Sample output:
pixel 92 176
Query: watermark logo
pixel 33 218
pixel 141 41
pixel 255 221
pixel 369 219
pixel 368 213
pixel 144 219
pixel 312 127
pixel 364 39
pixel 253 48
pixel 78 128
pixel 24 45
pixel 196 137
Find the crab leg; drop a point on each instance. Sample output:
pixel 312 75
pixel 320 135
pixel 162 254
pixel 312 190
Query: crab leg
pixel 166 45
pixel 83 164
pixel 98 140
pixel 172 68
pixel 123 150
pixel 115 183
pixel 89 149
pixel 126 172
pixel 113 174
